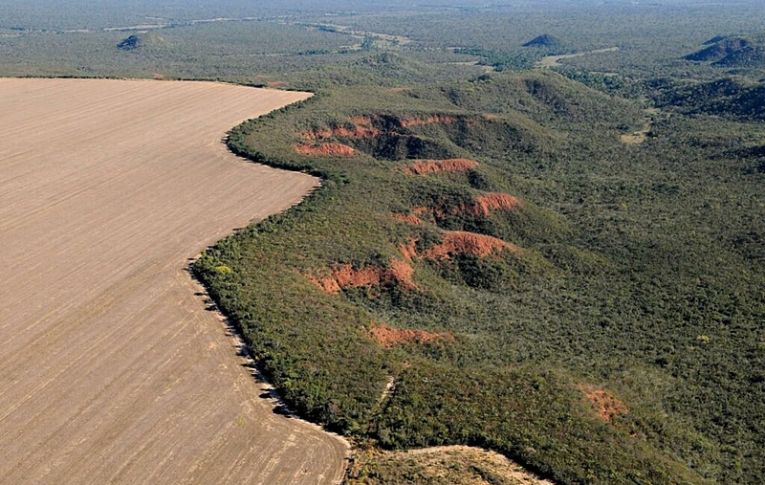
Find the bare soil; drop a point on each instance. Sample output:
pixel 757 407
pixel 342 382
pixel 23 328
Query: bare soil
pixel 388 336
pixel 487 203
pixel 112 370
pixel 605 404
pixel 344 276
pixel 548 62
pixel 462 242
pixel 414 121
pixel 452 465
pixel 425 167
pixel 325 150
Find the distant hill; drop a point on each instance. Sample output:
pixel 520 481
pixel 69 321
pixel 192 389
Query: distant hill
pixel 130 43
pixel 714 40
pixel 544 40
pixel 731 51
pixel 137 41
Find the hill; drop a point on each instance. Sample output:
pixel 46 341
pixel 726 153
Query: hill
pixel 141 40
pixel 731 51
pixel 544 40
pixel 488 265
pixel 730 97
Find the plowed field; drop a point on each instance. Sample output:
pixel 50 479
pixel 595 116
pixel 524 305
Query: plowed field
pixel 112 370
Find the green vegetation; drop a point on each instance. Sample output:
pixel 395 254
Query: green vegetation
pixel 636 276
pixel 623 341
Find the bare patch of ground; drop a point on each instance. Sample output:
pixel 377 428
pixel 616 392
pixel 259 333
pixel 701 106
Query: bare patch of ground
pixel 325 150
pixel 554 61
pixel 413 121
pixel 360 127
pixel 605 404
pixel 408 218
pixel 344 276
pixel 442 465
pixel 425 167
pixel 462 242
pixel 640 136
pixel 487 203
pixel 388 336
pixel 112 370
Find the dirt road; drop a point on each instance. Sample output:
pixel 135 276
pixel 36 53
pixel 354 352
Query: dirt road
pixel 111 369
pixel 548 62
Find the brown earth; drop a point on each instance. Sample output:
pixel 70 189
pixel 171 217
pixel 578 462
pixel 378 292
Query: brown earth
pixel 605 404
pixel 408 218
pixel 346 276
pixel 470 243
pixel 409 250
pixel 111 369
pixel 424 167
pixel 325 150
pixel 487 203
pixel 361 127
pixel 388 336
pixel 413 121
pixel 440 465
pixel 481 206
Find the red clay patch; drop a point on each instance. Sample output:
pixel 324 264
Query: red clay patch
pixel 346 276
pixel 325 150
pixel 424 167
pixel 361 120
pixel 470 243
pixel 605 404
pixel 408 218
pixel 361 127
pixel 482 206
pixel 409 250
pixel 427 120
pixel 389 337
pixel 487 203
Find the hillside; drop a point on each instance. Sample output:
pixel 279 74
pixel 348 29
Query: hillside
pixel 544 40
pixel 731 51
pixel 735 98
pixel 488 265
pixel 141 41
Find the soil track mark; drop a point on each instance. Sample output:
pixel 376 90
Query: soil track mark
pixel 111 369
pixel 548 62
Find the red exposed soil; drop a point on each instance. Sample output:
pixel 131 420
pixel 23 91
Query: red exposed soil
pixel 388 336
pixel 487 203
pixel 482 206
pixel 354 132
pixel 462 242
pixel 325 150
pixel 408 218
pixel 402 272
pixel 346 276
pixel 605 404
pixel 361 127
pixel 361 120
pixel 423 167
pixel 427 120
pixel 409 250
